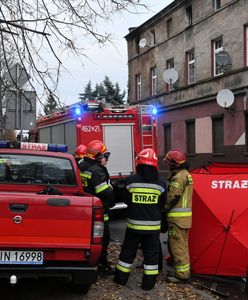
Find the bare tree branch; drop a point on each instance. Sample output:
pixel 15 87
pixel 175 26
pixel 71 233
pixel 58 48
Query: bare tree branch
pixel 33 30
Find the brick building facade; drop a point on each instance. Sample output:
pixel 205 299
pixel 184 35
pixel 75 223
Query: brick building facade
pixel 187 36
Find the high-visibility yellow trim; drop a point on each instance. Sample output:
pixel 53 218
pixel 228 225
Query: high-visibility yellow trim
pixel 106 218
pixel 183 268
pixel 190 179
pixel 185 198
pixel 141 227
pixel 144 191
pixel 179 214
pixel 123 269
pixel 175 184
pixel 102 188
pixel 84 175
pixel 150 272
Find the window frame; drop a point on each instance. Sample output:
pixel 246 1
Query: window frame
pixel 190 62
pixel 138 82
pixel 154 81
pixel 216 50
pixel 246 130
pixel 217 148
pixel 192 141
pixel 216 4
pixel 188 16
pixel 137 47
pixel 152 37
pixel 170 64
pixel 169 27
pixel 246 45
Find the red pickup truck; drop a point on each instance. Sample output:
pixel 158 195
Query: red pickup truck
pixel 48 225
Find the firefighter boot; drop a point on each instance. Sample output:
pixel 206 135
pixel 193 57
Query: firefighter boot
pixel 177 280
pixel 105 269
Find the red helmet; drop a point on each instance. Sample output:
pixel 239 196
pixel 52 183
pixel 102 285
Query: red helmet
pixel 147 157
pixel 96 149
pixel 80 151
pixel 175 158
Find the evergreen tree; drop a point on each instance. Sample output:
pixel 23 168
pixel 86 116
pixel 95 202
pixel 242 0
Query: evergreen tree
pixel 105 90
pixel 88 92
pixel 51 105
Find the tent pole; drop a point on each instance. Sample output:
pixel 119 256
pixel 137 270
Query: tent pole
pixel 213 287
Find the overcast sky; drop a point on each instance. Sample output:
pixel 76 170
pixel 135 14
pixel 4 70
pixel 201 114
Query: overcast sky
pixel 108 60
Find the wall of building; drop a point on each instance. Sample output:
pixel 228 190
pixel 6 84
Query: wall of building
pixel 198 100
pixel 207 26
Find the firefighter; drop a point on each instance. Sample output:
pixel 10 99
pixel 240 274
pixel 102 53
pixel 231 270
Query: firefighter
pixel 179 214
pixel 95 180
pixel 80 152
pixel 145 197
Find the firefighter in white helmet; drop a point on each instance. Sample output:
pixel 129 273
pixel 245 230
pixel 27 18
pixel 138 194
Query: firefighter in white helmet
pixel 146 195
pixel 179 214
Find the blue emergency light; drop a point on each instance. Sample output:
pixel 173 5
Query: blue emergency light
pixel 4 144
pixel 77 111
pixel 154 111
pixel 57 147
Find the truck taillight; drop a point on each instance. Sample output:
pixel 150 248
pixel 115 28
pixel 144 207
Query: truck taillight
pixel 98 225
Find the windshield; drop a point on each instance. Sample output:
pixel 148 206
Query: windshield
pixel 26 169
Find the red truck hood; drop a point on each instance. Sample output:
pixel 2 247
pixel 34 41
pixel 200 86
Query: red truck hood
pixel 45 221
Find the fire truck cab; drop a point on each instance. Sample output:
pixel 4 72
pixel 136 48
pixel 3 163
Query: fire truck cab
pixel 125 130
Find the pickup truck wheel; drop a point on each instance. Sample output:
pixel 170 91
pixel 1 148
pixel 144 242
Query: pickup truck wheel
pixel 80 288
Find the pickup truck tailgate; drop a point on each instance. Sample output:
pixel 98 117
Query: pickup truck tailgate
pixel 45 221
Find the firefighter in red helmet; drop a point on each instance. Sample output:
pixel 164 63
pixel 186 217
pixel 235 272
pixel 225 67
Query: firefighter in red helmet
pixel 79 155
pixel 80 152
pixel 179 213
pixel 96 182
pixel 145 197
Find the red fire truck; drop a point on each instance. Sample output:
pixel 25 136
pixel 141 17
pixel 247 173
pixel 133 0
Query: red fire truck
pixel 124 130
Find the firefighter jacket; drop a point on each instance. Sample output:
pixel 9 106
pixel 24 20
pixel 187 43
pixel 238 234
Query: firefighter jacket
pixel 95 182
pixel 179 199
pixel 145 201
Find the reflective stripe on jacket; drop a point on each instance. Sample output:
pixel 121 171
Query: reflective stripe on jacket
pixel 144 201
pixel 180 185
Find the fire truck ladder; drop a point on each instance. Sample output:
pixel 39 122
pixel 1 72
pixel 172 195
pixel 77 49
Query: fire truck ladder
pixel 146 127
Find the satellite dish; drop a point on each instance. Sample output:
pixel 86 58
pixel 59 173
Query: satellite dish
pixel 170 76
pixel 225 98
pixel 142 43
pixel 223 58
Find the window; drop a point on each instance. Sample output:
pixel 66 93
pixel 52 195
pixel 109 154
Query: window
pixel 36 169
pixel 188 15
pixel 152 38
pixel 191 66
pixel 246 131
pixel 246 45
pixel 138 87
pixel 218 134
pixel 216 4
pixel 137 47
pixel 169 28
pixel 190 136
pixel 217 47
pixel 154 81
pixel 167 137
pixel 170 65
